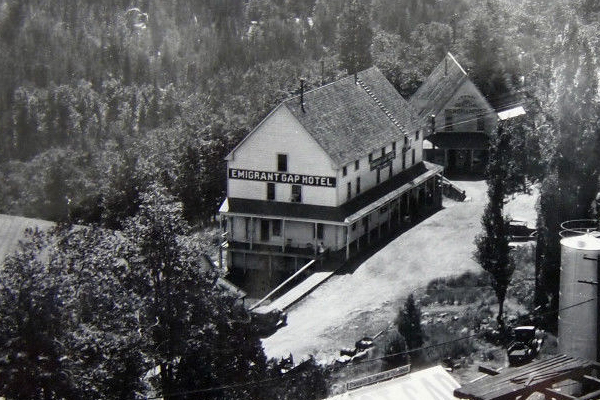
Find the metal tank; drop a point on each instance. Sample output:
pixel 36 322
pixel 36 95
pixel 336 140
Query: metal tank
pixel 578 315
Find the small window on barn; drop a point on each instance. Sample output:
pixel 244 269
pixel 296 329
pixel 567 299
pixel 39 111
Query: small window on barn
pixel 449 122
pixel 480 123
pixel 282 165
pixel 270 191
pixel 296 194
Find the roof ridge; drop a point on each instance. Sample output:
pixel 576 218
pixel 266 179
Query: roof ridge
pixel 379 103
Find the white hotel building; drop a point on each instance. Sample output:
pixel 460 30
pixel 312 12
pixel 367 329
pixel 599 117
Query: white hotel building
pixel 326 173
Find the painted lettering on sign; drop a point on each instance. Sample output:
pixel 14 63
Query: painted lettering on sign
pixel 282 177
pixel 383 162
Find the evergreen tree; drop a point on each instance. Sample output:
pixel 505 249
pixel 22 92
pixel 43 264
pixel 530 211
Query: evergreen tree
pixel 492 251
pixel 409 324
pixel 356 36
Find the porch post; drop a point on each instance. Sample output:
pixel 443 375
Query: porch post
pixel 347 242
pixel 251 232
pixel 315 239
pixel 283 235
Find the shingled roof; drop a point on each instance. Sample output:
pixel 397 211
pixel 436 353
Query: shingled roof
pixel 350 119
pixel 439 87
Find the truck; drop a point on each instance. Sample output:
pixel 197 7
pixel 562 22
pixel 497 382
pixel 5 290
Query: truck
pixel 525 346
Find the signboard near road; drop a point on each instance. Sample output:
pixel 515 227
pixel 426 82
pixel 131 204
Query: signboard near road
pixel 382 376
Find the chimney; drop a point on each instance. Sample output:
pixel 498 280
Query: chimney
pixel 302 94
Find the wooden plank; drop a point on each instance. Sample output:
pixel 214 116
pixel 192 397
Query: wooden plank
pixel 553 393
pixel 591 379
pixel 590 396
pixel 522 380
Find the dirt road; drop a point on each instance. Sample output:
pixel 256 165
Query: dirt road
pixel 348 307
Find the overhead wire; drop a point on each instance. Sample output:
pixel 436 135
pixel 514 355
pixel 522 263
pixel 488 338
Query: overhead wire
pixel 405 352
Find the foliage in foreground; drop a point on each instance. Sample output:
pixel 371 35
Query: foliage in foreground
pixel 88 313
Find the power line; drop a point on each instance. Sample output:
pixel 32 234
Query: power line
pixel 405 352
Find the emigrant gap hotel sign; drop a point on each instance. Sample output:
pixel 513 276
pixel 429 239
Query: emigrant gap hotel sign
pixel 282 177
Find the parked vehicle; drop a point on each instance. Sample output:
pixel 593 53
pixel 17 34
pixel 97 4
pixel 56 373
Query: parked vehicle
pixel 519 231
pixel 525 346
pixel 266 321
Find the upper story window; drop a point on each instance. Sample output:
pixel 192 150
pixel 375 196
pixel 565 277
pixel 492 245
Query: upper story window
pixel 358 185
pixel 349 191
pixel 413 156
pixel 296 194
pixel 383 151
pixel 270 191
pixel 394 146
pixel 276 227
pixel 356 165
pixel 344 171
pixel 282 163
pixel 417 135
pixel 370 157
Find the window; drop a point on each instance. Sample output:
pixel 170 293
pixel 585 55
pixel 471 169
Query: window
pixel 349 191
pixel 480 123
pixel 276 227
pixel 413 156
pixel 448 123
pixel 358 185
pixel 403 160
pixel 383 151
pixel 394 146
pixel 319 231
pixel 356 165
pixel 370 157
pixel 354 226
pixel 406 141
pixel 282 163
pixel 296 194
pixel 270 191
pixel 378 175
pixel 417 135
pixel 344 171
pixel 390 170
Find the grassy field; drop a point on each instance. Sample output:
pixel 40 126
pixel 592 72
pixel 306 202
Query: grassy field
pixel 12 230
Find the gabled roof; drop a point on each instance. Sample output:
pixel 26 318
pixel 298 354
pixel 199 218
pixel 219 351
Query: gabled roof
pixel 439 87
pixel 350 119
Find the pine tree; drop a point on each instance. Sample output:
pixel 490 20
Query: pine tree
pixel 409 324
pixel 356 36
pixel 492 251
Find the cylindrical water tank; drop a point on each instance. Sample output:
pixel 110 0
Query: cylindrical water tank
pixel 577 318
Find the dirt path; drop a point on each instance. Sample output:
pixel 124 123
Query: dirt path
pixel 347 307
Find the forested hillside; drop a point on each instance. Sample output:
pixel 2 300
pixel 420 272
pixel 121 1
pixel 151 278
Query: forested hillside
pixel 100 99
